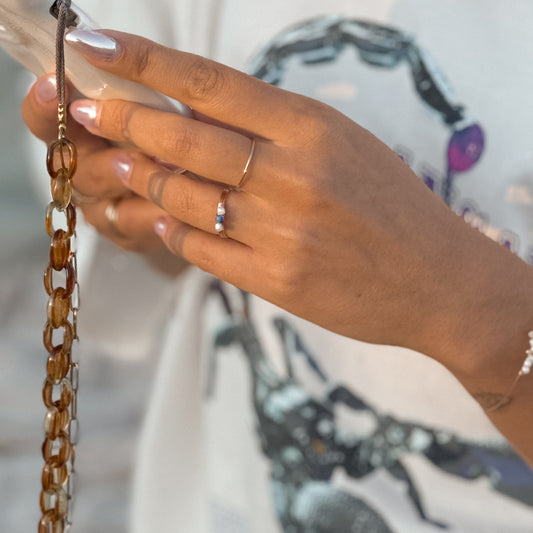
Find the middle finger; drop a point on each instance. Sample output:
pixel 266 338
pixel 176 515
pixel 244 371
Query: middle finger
pixel 207 150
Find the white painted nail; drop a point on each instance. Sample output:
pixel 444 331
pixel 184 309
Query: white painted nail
pixel 93 43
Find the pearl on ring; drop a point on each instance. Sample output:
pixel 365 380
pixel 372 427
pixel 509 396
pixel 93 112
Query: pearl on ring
pixel 221 214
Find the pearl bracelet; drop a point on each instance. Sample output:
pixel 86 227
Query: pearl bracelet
pixel 528 363
pixel 502 400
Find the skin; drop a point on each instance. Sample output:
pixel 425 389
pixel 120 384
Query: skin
pixel 330 224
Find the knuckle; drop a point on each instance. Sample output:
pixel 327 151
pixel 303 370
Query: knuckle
pixel 318 128
pixel 124 115
pixel 205 80
pixel 179 140
pixel 115 120
pixel 289 280
pixel 176 239
pixel 157 183
pixel 314 121
pixel 290 274
pixel 142 60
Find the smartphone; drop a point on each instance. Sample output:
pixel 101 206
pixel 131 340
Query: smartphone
pixel 28 33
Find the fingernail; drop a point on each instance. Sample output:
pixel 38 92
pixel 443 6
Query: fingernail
pixel 46 89
pixel 160 227
pixel 86 112
pixel 123 164
pixel 93 43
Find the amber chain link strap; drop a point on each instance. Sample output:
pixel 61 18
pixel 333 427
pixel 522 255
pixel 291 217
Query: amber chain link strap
pixel 61 384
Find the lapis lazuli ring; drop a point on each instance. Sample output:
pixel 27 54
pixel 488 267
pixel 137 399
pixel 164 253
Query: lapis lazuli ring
pixel 221 214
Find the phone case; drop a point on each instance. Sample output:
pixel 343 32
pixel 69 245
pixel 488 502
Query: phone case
pixel 28 33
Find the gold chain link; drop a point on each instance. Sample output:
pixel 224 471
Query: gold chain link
pixel 61 384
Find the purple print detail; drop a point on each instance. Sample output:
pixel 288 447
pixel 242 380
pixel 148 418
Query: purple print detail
pixel 464 151
pixel 465 148
pixel 465 212
pixel 429 180
pixel 405 155
pixel 510 240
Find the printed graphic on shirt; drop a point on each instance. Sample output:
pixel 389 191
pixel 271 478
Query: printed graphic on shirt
pixel 323 40
pixel 298 432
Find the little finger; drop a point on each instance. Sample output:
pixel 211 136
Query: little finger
pixel 226 259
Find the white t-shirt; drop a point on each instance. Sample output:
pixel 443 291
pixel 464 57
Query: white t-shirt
pixel 274 424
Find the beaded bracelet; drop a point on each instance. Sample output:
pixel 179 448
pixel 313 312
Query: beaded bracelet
pixel 497 401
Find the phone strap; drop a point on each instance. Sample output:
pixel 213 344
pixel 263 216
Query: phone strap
pixel 61 330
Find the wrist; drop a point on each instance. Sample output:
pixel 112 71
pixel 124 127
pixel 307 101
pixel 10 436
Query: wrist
pixel 482 334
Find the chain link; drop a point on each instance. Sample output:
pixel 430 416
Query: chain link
pixel 61 384
pixel 60 389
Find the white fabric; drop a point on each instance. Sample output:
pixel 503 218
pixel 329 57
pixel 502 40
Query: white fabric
pixel 174 426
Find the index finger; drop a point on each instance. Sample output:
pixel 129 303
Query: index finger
pixel 211 88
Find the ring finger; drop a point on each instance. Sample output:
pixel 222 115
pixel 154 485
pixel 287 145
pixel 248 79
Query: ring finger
pixel 193 201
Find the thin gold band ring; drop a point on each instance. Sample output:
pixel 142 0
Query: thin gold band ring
pixel 111 215
pixel 247 166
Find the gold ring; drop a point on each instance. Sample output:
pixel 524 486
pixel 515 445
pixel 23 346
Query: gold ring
pixel 111 215
pixel 245 171
pixel 221 214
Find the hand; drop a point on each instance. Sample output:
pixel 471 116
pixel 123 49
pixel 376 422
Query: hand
pixel 95 182
pixel 330 224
